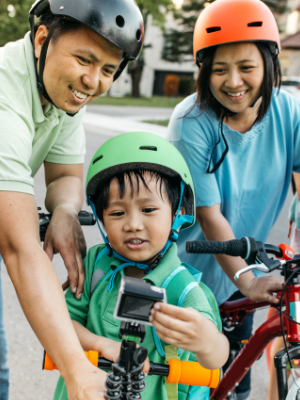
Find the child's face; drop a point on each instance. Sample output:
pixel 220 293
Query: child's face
pixel 138 226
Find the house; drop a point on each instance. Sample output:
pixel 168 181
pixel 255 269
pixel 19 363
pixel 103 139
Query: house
pixel 156 69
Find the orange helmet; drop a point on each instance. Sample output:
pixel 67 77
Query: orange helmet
pixel 229 21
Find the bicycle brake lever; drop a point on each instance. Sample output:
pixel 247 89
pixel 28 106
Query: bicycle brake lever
pixel 259 267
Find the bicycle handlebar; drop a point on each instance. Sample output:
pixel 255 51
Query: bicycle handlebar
pixel 176 371
pixel 84 217
pixel 235 248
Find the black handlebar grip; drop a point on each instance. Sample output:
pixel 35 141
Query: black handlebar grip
pixel 86 218
pixel 235 248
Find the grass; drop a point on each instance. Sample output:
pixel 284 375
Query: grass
pixel 155 101
pixel 162 122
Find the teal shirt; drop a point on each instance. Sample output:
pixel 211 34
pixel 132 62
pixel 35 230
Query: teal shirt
pixel 29 134
pixel 96 313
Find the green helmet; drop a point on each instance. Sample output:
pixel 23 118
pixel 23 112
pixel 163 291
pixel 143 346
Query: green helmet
pixel 140 150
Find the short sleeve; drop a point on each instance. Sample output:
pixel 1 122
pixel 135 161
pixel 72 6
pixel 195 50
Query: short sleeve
pixel 15 151
pixel 194 137
pixel 69 147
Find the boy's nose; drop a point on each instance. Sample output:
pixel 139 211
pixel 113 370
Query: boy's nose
pixel 133 224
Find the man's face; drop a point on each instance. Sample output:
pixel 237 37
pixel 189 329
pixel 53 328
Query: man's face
pixel 80 66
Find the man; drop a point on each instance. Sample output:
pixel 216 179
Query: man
pixel 72 56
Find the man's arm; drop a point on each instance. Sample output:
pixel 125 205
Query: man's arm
pixel 216 227
pixel 41 296
pixel 64 235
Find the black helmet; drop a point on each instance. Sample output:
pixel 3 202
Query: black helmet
pixel 118 21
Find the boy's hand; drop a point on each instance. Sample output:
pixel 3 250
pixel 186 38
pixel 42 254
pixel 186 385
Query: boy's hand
pixel 260 289
pixel 110 349
pixel 178 326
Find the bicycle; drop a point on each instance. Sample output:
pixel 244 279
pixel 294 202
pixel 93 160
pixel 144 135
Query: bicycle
pixel 284 324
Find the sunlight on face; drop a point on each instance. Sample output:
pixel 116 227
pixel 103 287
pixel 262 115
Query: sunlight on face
pixel 79 67
pixel 237 75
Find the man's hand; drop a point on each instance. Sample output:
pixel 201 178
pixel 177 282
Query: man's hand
pixel 64 235
pixel 260 289
pixel 88 385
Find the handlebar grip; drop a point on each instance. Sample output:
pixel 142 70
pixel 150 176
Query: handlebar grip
pixel 235 248
pixel 192 373
pixel 49 365
pixel 176 371
pixel 86 218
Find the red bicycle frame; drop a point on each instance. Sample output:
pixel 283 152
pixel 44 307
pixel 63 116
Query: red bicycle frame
pixel 259 340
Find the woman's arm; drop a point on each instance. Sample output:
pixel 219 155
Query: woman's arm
pixel 215 227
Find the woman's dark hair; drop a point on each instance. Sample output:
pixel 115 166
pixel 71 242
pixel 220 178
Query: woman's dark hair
pixel 61 25
pixel 272 78
pixel 171 184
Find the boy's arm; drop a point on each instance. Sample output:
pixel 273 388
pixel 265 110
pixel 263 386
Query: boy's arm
pixel 107 348
pixel 188 329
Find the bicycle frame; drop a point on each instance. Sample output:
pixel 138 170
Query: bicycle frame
pixel 252 349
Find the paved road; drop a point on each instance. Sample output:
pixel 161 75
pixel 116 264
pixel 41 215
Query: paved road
pixel 28 381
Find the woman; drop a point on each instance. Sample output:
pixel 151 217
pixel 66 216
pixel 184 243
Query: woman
pixel 238 135
pixel 74 52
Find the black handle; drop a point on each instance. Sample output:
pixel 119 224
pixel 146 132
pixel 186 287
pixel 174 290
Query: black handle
pixel 235 248
pixel 86 218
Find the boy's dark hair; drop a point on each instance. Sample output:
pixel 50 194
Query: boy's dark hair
pixel 272 78
pixel 171 184
pixel 62 25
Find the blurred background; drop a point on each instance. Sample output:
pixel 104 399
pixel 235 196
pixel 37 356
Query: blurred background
pixel 165 66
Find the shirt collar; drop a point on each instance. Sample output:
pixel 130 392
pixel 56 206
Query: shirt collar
pixel 166 266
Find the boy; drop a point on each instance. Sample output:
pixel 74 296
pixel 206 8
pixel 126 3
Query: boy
pixel 140 188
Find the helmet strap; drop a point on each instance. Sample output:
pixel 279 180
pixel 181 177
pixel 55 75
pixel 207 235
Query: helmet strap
pixel 42 60
pixel 173 237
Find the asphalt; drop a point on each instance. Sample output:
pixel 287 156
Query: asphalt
pixel 28 381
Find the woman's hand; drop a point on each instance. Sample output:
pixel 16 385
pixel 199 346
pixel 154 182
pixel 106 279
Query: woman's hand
pixel 64 235
pixel 260 289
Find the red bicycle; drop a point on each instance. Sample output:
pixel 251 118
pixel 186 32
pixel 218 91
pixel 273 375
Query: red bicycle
pixel 286 323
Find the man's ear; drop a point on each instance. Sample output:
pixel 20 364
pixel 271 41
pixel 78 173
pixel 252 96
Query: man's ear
pixel 39 40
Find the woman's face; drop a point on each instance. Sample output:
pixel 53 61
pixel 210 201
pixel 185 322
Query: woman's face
pixel 237 75
pixel 79 67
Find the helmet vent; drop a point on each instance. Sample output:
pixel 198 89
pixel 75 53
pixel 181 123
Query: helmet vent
pixel 97 159
pixel 138 35
pixel 253 24
pixel 151 148
pixel 213 29
pixel 120 21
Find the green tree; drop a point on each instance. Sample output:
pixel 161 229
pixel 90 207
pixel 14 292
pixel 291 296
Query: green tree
pixel 179 43
pixel 13 19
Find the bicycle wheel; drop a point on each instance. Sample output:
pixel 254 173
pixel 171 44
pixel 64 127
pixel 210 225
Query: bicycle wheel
pixel 294 392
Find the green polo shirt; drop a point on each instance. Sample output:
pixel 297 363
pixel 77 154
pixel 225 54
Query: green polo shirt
pixel 96 313
pixel 30 134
